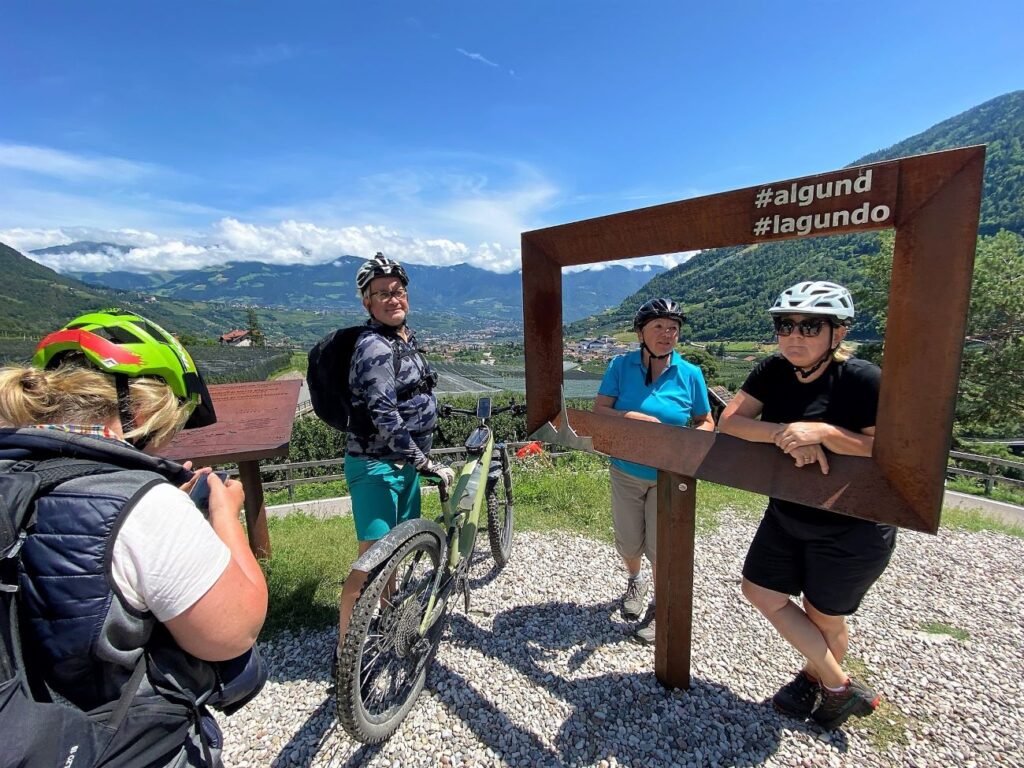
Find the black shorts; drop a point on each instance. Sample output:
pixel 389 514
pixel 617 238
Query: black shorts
pixel 833 566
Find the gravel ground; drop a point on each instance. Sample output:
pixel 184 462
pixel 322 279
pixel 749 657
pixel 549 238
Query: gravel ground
pixel 543 672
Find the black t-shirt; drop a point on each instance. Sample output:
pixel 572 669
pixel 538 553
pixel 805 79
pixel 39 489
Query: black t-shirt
pixel 846 395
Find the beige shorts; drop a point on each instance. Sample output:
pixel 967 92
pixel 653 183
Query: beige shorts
pixel 634 514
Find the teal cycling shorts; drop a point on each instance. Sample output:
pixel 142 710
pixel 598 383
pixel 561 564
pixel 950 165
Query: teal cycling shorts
pixel 384 494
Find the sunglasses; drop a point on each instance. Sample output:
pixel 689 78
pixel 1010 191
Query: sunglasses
pixel 810 327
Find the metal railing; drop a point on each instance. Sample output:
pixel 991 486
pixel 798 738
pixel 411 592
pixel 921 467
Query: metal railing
pixel 291 480
pixel 990 476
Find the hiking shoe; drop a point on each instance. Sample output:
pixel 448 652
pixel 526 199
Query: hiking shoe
pixel 797 697
pixel 634 601
pixel 645 635
pixel 835 708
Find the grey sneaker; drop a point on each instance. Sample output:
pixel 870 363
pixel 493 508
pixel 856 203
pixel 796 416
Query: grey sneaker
pixel 797 697
pixel 645 635
pixel 834 709
pixel 634 601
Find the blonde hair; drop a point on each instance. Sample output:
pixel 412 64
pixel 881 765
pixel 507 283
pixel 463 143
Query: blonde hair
pixel 76 395
pixel 843 352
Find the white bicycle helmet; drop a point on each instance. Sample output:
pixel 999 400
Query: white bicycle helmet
pixel 379 266
pixel 816 297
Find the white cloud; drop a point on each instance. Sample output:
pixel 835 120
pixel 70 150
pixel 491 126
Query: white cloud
pixel 25 240
pixel 667 260
pixel 476 57
pixel 65 165
pixel 288 242
pixel 439 208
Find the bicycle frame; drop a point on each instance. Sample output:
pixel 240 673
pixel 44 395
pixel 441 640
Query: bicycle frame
pixel 413 574
pixel 461 512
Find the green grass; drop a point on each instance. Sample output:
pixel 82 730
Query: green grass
pixel 297 362
pixel 975 521
pixel 570 493
pixel 888 726
pixel 976 487
pixel 940 628
pixel 310 560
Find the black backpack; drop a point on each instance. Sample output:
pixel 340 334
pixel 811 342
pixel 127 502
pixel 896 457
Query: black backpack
pixel 39 731
pixel 327 378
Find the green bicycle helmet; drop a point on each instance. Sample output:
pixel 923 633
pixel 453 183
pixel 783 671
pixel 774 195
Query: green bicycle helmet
pixel 126 345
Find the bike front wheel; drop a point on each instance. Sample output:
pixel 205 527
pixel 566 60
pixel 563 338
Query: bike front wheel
pixel 500 519
pixel 383 661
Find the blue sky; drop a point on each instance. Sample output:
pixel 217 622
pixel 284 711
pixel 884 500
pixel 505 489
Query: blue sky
pixel 437 132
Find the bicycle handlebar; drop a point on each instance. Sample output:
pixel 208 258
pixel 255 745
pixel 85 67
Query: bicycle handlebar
pixel 448 410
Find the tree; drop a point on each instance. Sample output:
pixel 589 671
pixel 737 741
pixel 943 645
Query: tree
pixel 991 388
pixel 705 361
pixel 255 332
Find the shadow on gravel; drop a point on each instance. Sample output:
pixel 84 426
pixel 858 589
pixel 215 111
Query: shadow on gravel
pixel 305 743
pixel 482 554
pixel 628 715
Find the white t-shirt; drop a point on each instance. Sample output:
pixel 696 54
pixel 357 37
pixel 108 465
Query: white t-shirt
pixel 166 555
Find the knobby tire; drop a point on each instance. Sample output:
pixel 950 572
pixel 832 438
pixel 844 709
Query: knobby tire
pixel 500 520
pixel 383 665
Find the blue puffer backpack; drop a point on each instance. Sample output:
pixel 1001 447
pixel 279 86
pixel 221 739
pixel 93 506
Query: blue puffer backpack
pixel 103 686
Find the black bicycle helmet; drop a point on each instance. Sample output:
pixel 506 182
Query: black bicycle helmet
pixel 379 266
pixel 655 309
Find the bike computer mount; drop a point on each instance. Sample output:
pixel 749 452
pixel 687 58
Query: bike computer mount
pixel 483 408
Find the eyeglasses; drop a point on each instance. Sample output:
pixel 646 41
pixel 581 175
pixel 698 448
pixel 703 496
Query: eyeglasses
pixel 810 327
pixel 398 293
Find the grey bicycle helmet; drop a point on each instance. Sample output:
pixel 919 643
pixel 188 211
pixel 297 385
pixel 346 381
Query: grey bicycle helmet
pixel 655 309
pixel 816 297
pixel 379 266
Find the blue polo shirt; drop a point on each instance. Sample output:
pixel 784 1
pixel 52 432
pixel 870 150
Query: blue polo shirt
pixel 675 396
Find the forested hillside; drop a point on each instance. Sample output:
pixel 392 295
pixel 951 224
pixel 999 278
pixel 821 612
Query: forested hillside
pixel 34 300
pixel 726 290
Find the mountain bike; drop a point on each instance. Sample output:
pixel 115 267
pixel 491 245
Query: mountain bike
pixel 412 575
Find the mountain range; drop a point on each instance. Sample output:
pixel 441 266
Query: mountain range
pixel 461 290
pixel 726 291
pixel 296 302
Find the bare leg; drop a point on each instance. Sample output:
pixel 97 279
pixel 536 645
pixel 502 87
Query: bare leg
pixel 633 565
pixel 799 631
pixel 349 593
pixel 833 628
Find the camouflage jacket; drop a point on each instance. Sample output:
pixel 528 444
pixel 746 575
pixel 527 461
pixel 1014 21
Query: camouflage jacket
pixel 403 427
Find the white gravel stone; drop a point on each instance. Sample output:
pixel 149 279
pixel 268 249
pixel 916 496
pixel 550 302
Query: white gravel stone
pixel 543 671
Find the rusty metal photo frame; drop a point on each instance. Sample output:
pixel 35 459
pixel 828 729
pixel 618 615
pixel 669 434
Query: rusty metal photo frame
pixel 931 201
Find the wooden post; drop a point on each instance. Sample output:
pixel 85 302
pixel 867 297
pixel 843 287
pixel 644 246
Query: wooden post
pixel 677 513
pixel 255 511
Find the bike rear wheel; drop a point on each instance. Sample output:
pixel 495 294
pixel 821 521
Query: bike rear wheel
pixel 500 518
pixel 384 660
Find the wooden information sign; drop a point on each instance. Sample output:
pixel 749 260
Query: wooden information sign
pixel 254 421
pixel 932 201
